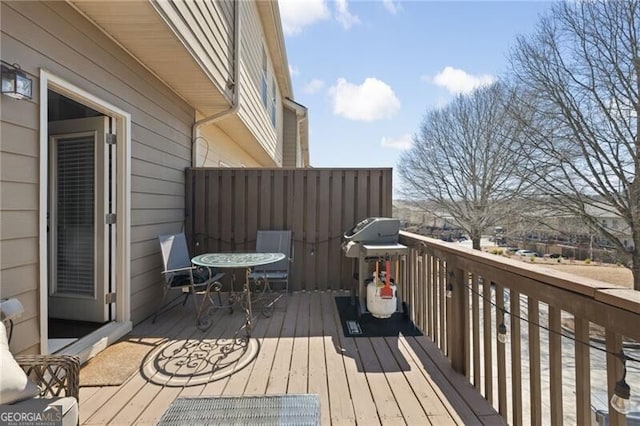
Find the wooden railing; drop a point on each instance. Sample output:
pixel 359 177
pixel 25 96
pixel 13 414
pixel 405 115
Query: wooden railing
pixel 565 334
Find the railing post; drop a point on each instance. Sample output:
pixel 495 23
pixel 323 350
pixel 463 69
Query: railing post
pixel 455 318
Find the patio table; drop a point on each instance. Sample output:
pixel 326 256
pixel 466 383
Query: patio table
pixel 239 260
pixel 291 409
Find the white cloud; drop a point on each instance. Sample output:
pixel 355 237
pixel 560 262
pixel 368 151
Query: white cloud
pixel 372 100
pixel 392 6
pixel 344 16
pixel 400 142
pixel 293 70
pixel 459 81
pixel 313 86
pixel 297 14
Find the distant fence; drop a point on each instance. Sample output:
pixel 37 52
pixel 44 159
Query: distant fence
pixel 225 208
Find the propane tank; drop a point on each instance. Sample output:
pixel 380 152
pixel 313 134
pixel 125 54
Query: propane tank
pixel 376 305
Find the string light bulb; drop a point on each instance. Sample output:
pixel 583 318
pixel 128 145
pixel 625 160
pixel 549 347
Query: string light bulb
pixel 449 292
pixel 622 393
pixel 502 333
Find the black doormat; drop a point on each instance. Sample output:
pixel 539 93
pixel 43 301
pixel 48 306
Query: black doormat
pixel 369 326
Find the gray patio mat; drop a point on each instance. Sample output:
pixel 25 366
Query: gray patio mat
pixel 294 409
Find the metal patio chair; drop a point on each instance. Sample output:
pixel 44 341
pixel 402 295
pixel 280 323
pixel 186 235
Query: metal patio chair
pixel 266 275
pixel 180 273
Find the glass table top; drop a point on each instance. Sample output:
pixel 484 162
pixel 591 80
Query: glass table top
pixel 236 260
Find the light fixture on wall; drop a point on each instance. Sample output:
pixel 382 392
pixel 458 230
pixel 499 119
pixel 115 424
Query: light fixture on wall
pixel 15 82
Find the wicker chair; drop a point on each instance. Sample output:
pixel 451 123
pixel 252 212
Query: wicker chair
pixel 58 379
pixel 55 375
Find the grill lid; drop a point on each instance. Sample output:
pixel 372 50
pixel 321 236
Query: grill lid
pixel 374 230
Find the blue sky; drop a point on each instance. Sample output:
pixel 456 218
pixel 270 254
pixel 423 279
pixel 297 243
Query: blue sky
pixel 369 70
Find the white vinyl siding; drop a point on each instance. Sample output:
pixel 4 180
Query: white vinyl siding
pixel 54 36
pixel 264 88
pixel 273 102
pixel 290 138
pixel 252 109
pixel 206 27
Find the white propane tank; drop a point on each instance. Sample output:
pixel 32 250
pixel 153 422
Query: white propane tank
pixel 376 305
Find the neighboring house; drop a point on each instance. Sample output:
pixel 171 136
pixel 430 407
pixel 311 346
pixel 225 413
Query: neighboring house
pixel 176 84
pixel 609 220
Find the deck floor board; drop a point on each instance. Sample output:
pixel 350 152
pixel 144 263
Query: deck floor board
pixel 394 380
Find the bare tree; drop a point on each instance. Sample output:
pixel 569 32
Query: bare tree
pixel 581 70
pixel 463 162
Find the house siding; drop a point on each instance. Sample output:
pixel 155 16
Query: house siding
pixel 220 150
pixel 252 111
pixel 290 138
pixel 206 27
pixel 53 36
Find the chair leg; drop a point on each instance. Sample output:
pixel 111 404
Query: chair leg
pixel 164 307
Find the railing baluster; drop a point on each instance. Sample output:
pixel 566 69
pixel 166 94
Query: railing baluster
pixel 501 354
pixel 516 362
pixel 443 307
pixel 488 344
pixel 429 292
pixel 475 310
pixel 614 373
pixel 466 321
pixel 421 281
pixel 434 298
pixel 583 372
pixel 421 300
pixel 534 361
pixel 555 365
pixel 457 342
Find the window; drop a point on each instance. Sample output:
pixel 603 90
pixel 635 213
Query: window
pixel 272 105
pixel 263 78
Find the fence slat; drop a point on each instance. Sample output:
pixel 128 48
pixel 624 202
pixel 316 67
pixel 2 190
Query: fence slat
pixel 336 229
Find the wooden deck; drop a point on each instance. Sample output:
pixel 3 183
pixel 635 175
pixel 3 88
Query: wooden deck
pixel 365 381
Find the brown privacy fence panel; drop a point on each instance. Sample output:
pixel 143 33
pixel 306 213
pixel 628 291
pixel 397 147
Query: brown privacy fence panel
pixel 226 207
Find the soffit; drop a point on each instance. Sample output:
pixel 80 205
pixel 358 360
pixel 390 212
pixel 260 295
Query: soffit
pixel 138 28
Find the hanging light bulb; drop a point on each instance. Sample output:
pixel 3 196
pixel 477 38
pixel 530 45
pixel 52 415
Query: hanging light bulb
pixel 502 333
pixel 622 392
pixel 449 292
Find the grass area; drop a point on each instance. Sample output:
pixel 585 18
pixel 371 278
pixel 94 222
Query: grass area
pixel 608 273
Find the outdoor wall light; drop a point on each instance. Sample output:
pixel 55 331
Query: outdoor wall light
pixel 15 83
pixel 622 393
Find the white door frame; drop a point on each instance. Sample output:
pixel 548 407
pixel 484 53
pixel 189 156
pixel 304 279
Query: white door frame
pixel 106 335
